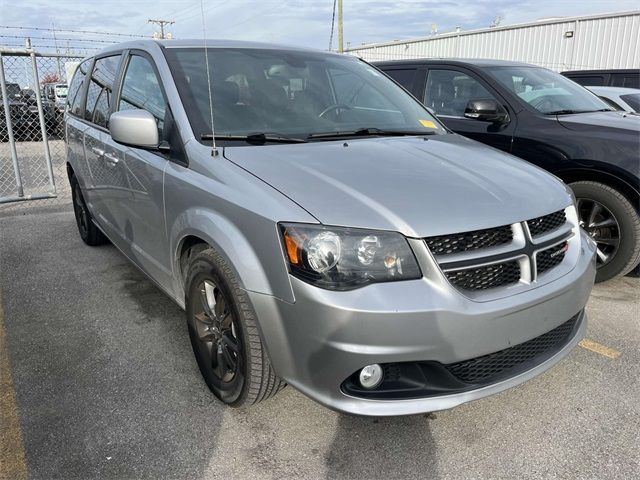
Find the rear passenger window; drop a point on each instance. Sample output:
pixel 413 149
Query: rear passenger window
pixel 404 77
pixel 141 90
pixel 74 96
pixel 100 90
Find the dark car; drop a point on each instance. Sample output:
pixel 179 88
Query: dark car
pixel 628 78
pixel 544 118
pixel 24 114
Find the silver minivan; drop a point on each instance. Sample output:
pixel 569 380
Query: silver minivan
pixel 321 228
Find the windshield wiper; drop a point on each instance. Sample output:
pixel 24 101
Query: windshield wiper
pixel 569 112
pixel 256 138
pixel 371 131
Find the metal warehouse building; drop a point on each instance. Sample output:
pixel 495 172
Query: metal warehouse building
pixel 576 43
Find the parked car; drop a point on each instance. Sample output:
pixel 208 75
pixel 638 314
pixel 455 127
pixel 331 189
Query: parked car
pixel 628 78
pixel 321 228
pixel 23 114
pixel 55 95
pixel 619 98
pixel 544 118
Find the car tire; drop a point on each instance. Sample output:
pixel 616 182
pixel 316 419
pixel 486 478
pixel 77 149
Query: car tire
pixel 224 333
pixel 622 221
pixel 89 232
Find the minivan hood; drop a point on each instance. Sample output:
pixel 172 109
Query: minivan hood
pixel 419 186
pixel 600 120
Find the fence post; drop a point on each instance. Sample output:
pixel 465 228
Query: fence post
pixel 7 118
pixel 43 125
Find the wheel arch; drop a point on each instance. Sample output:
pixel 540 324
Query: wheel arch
pixel 607 178
pixel 206 227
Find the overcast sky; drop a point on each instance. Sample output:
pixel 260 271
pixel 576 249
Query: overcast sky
pixel 306 23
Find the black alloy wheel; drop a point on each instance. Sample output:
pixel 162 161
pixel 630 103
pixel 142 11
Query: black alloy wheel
pixel 81 212
pixel 216 339
pixel 601 224
pixel 224 332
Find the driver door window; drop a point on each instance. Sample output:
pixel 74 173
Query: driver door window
pixel 449 91
pixel 141 90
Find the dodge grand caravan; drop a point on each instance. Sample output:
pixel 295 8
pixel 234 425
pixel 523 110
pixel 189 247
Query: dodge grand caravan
pixel 320 228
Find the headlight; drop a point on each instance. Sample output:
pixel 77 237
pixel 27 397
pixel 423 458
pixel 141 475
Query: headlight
pixel 338 258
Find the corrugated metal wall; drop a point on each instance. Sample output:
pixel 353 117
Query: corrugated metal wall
pixel 605 41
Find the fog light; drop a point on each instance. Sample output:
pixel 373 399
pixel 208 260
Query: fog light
pixel 371 376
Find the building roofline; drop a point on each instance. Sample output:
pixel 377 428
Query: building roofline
pixel 552 21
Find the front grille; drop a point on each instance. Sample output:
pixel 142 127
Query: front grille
pixel 489 276
pixel 546 223
pixel 466 241
pixel 550 257
pixel 480 369
pixel 470 263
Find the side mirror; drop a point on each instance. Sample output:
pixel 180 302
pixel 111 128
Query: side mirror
pixel 135 128
pixel 486 110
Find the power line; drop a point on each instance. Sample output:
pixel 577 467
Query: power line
pixel 259 14
pixel 70 48
pixel 208 9
pixel 60 39
pixel 73 31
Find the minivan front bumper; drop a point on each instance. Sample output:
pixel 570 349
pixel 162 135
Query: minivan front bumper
pixel 321 340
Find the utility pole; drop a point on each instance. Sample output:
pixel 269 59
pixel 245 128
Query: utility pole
pixel 162 23
pixel 340 31
pixel 55 42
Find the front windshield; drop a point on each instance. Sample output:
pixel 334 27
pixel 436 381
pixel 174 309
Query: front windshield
pixel 546 91
pixel 291 93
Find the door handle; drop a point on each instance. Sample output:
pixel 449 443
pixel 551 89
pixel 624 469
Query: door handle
pixel 98 151
pixel 111 159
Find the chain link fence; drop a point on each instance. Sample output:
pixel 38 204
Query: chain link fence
pixel 32 150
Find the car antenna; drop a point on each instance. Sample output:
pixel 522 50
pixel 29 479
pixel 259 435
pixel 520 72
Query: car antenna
pixel 214 150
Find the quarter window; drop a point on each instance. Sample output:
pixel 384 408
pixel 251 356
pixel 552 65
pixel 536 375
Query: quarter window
pixel 100 90
pixel 141 90
pixel 74 96
pixel 449 91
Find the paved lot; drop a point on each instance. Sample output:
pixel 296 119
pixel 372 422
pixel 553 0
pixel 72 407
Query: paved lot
pixel 106 386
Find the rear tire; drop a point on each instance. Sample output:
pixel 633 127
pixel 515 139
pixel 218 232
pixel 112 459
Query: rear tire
pixel 90 234
pixel 224 333
pixel 621 221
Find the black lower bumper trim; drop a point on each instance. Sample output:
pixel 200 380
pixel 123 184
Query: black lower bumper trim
pixel 409 380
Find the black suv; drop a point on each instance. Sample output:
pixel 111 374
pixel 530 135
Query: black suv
pixel 628 78
pixel 544 118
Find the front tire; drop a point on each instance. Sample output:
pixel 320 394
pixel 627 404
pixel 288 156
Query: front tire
pixel 224 333
pixel 614 223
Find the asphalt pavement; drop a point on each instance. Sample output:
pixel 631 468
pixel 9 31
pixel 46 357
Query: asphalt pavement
pixel 106 386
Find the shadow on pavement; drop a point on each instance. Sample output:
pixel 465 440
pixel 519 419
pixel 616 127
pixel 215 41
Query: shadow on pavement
pixel 396 447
